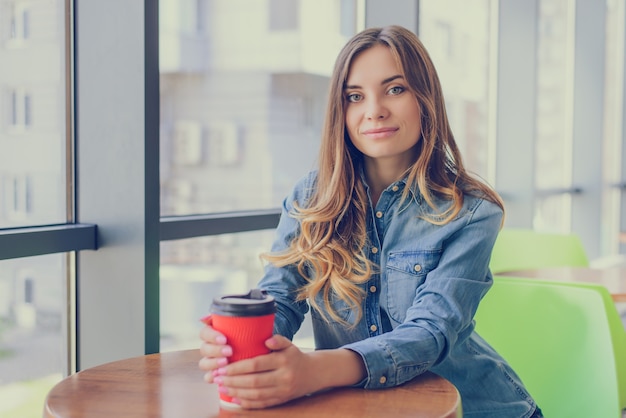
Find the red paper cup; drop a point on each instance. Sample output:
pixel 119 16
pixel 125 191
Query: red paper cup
pixel 246 321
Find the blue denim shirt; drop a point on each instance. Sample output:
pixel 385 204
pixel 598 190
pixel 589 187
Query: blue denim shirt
pixel 420 303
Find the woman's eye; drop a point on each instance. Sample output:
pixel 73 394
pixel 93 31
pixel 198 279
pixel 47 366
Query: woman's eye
pixel 353 97
pixel 396 90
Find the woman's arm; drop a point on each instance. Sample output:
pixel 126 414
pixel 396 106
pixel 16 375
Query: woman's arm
pixel 438 315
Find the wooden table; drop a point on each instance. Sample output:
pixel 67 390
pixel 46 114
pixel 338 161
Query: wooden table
pixel 170 385
pixel 613 278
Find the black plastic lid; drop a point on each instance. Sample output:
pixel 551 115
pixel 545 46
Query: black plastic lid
pixel 255 303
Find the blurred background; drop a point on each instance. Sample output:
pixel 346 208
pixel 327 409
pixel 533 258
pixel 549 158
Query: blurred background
pixel 534 91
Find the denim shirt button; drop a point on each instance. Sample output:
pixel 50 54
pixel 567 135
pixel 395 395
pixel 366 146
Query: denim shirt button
pixel 382 380
pixel 395 188
pixel 379 214
pixel 374 250
pixel 417 268
pixel 373 289
pixel 373 328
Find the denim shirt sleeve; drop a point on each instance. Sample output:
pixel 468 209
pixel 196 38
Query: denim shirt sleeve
pixel 441 313
pixel 284 282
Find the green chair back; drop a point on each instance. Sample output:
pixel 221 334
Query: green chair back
pixel 522 249
pixel 565 340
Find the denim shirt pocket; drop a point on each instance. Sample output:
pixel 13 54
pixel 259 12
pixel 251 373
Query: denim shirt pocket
pixel 405 272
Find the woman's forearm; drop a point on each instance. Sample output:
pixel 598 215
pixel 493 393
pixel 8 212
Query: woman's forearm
pixel 335 368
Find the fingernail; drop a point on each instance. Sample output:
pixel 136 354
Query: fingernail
pixel 227 351
pixel 221 371
pixel 220 339
pixel 218 380
pixel 237 401
pixel 222 362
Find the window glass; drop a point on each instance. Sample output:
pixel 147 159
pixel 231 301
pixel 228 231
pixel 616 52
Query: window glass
pixel 32 114
pixel 614 171
pixel 241 104
pixel 194 271
pixel 33 191
pixel 33 334
pixel 456 35
pixel 553 149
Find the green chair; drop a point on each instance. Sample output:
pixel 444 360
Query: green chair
pixel 522 249
pixel 565 340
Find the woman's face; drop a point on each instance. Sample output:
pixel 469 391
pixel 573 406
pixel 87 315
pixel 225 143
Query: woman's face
pixel 383 117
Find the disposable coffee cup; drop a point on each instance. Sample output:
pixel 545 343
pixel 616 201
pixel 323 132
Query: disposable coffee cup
pixel 247 321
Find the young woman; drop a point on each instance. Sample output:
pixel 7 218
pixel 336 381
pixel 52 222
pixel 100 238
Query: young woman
pixel 388 242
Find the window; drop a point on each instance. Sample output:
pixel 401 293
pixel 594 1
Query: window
pixel 554 114
pixel 33 332
pixel 25 24
pixel 458 39
pixel 614 196
pixel 225 146
pixel 20 110
pixel 17 196
pixel 187 149
pixel 35 347
pixel 229 123
pixel 27 110
pixel 18 27
pixel 245 129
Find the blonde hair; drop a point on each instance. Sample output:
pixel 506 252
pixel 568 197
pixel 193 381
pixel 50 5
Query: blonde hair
pixel 329 251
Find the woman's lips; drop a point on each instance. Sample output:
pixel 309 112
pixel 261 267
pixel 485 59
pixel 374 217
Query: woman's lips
pixel 377 133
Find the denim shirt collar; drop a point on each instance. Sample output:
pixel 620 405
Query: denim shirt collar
pixel 414 191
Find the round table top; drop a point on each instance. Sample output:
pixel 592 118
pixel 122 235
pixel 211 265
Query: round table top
pixel 170 385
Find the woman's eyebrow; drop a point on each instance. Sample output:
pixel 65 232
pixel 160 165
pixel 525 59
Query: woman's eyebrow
pixel 382 83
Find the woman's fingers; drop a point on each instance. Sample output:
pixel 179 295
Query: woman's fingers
pixel 278 342
pixel 210 335
pixel 209 365
pixel 214 351
pixel 254 391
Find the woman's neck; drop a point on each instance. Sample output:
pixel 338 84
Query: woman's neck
pixel 380 174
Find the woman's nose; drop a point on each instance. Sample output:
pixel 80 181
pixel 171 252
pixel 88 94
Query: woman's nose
pixel 376 110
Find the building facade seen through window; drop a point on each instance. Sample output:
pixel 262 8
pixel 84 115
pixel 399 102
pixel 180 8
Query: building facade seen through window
pixel 33 191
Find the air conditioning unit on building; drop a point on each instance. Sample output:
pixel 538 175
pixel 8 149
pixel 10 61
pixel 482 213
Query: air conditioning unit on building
pixel 187 147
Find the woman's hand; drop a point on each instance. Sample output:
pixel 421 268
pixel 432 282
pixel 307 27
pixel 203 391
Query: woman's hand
pixel 270 379
pixel 214 350
pixel 284 374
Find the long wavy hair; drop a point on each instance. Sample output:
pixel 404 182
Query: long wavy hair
pixel 329 251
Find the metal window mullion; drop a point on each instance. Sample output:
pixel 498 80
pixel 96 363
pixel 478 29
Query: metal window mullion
pixel 115 177
pixel 40 240
pixel 182 227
